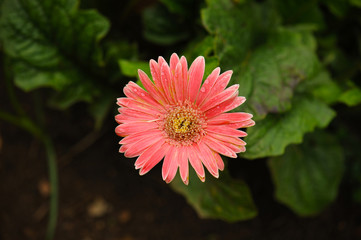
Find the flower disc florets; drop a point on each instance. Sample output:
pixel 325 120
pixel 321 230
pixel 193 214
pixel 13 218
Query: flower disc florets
pixel 184 124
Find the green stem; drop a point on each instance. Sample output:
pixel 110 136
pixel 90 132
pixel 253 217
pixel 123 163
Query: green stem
pixel 25 123
pixel 11 93
pixel 54 195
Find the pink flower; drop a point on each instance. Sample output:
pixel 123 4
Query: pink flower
pixel 179 119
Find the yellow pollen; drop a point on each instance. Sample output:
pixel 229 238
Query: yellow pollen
pixel 184 124
pixel 181 125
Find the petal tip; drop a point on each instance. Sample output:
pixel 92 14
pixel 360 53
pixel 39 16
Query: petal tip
pixel 186 181
pixel 202 178
pixel 174 55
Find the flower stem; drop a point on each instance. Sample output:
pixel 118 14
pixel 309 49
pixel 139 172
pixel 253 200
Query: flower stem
pixel 54 194
pixel 12 97
pixel 25 123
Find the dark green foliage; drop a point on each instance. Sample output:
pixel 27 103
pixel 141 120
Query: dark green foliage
pixel 53 44
pixel 226 198
pixel 307 176
pixel 274 133
pixel 171 22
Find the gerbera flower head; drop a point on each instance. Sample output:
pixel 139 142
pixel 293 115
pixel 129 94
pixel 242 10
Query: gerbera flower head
pixel 178 118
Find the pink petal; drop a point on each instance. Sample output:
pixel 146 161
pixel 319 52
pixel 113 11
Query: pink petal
pixel 234 148
pixel 133 91
pixel 219 161
pixel 138 147
pixel 136 115
pixel 215 111
pixel 220 84
pixel 207 158
pixel 122 118
pixel 131 128
pixel 161 61
pixel 207 85
pixel 167 162
pixel 155 72
pixel 179 82
pixel 180 79
pixel 184 63
pixel 150 87
pixel 183 164
pixel 196 162
pixel 167 83
pixel 123 148
pixel 195 74
pixel 170 163
pixel 217 146
pixel 234 140
pixel 221 97
pixel 173 166
pixel 230 117
pixel 155 158
pixel 138 106
pixel 174 59
pixel 244 124
pixel 224 130
pixel 225 106
pixel 149 153
pixel 248 123
pixel 236 103
pixel 140 135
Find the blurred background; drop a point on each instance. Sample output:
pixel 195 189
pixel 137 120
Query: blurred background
pixel 63 63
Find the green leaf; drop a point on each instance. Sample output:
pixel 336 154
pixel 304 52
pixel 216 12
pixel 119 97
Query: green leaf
pixel 203 47
pixel 352 96
pixel 237 27
pixel 211 64
pixel 321 87
pixel 180 7
pixel 273 134
pixel 130 68
pixel 337 7
pixel 300 12
pixel 225 198
pixel 163 28
pixel 356 3
pixel 200 47
pixel 268 62
pixel 99 109
pixel 55 45
pixel 307 176
pixel 277 69
pixel 270 76
pixel 119 49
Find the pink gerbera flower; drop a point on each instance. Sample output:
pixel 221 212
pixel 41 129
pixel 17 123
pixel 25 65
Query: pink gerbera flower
pixel 179 119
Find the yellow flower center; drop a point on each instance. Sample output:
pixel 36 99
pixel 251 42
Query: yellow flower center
pixel 181 125
pixel 184 124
